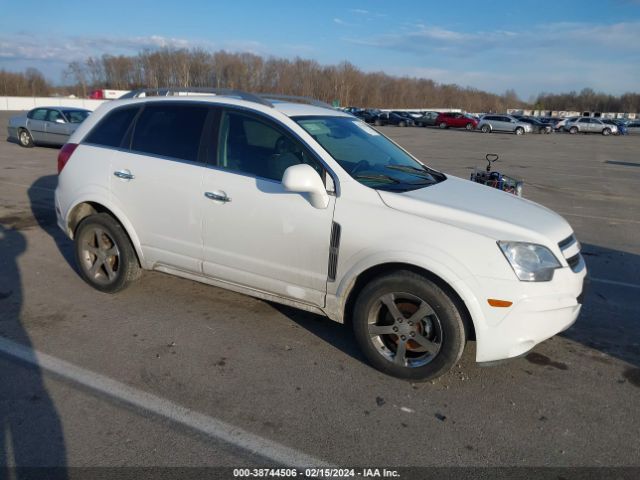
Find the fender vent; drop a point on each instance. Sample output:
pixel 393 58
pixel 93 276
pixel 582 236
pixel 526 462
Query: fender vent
pixel 334 248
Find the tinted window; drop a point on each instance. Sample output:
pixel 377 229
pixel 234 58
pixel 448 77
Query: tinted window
pixel 490 118
pixel 111 129
pixel 250 145
pixel 39 114
pixel 54 115
pixel 170 130
pixel 584 120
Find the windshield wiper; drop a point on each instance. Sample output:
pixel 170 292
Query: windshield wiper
pixel 422 172
pixel 380 176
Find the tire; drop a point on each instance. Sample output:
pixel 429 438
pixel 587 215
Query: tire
pixel 440 328
pixel 378 123
pixel 486 129
pixel 469 126
pixel 95 238
pixel 519 131
pixel 573 130
pixel 24 138
pixel 606 132
pixel 443 125
pixel 402 124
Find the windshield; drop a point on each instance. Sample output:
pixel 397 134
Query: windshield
pixel 76 116
pixel 367 155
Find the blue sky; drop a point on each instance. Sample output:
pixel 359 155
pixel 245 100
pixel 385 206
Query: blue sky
pixel 491 45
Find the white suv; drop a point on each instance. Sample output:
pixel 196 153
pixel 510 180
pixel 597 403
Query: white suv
pixel 309 206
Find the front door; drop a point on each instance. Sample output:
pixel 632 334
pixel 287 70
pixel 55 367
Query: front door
pixel 256 234
pixel 57 128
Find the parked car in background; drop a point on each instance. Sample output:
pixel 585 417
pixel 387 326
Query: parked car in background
pixel 591 125
pixel 415 261
pixel 369 116
pixel 427 119
pixel 503 123
pixel 633 127
pixel 394 118
pixel 456 120
pixel 622 128
pixel 560 126
pixel 46 125
pixel 536 125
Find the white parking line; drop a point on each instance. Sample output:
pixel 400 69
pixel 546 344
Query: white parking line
pixel 615 282
pixel 199 422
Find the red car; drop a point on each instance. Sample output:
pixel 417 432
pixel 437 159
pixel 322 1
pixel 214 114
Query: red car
pixel 456 120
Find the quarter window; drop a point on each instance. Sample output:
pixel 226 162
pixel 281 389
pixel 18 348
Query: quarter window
pixel 170 130
pixel 111 130
pixel 250 145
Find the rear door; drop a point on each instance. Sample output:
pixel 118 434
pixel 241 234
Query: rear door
pixel 157 180
pixel 36 124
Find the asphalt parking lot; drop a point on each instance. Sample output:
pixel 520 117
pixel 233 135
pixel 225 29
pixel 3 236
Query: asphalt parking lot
pixel 189 361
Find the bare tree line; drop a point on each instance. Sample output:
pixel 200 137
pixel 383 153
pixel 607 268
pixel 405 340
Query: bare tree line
pixel 344 82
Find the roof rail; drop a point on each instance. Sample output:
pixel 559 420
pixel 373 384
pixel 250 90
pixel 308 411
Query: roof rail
pixel 175 91
pixel 295 99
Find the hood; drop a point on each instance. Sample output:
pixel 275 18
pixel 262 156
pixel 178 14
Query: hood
pixel 483 210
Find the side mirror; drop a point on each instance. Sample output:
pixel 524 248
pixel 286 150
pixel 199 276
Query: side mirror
pixel 59 120
pixel 302 178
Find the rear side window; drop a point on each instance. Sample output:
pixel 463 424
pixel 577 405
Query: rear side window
pixel 110 131
pixel 39 114
pixel 170 130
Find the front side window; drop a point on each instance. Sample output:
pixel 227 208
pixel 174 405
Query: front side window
pixel 54 116
pixel 367 155
pixel 75 116
pixel 110 131
pixel 252 146
pixel 170 130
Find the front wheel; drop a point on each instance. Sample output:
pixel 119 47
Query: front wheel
pixel 443 125
pixel 486 129
pixel 606 132
pixel 402 124
pixel 104 254
pixel 408 327
pixel 573 130
pixel 378 123
pixel 519 131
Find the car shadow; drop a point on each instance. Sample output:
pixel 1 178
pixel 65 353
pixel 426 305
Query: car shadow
pixel 41 198
pixel 31 432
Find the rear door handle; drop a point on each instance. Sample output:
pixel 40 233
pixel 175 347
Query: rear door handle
pixel 219 197
pixel 124 174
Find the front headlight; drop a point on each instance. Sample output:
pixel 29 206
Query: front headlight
pixel 530 262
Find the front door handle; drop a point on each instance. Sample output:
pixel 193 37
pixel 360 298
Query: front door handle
pixel 219 197
pixel 124 174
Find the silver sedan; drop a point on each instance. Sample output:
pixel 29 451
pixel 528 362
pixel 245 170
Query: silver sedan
pixel 503 123
pixel 46 125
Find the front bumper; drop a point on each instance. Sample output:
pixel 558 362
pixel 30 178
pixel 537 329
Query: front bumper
pixel 539 311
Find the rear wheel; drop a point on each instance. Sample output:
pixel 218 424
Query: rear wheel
pixel 24 138
pixel 573 130
pixel 606 132
pixel 402 124
pixel 443 125
pixel 104 254
pixel 408 327
pixel 378 123
pixel 469 126
pixel 519 131
pixel 486 129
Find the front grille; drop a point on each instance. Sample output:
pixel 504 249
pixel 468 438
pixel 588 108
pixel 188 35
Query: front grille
pixel 567 242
